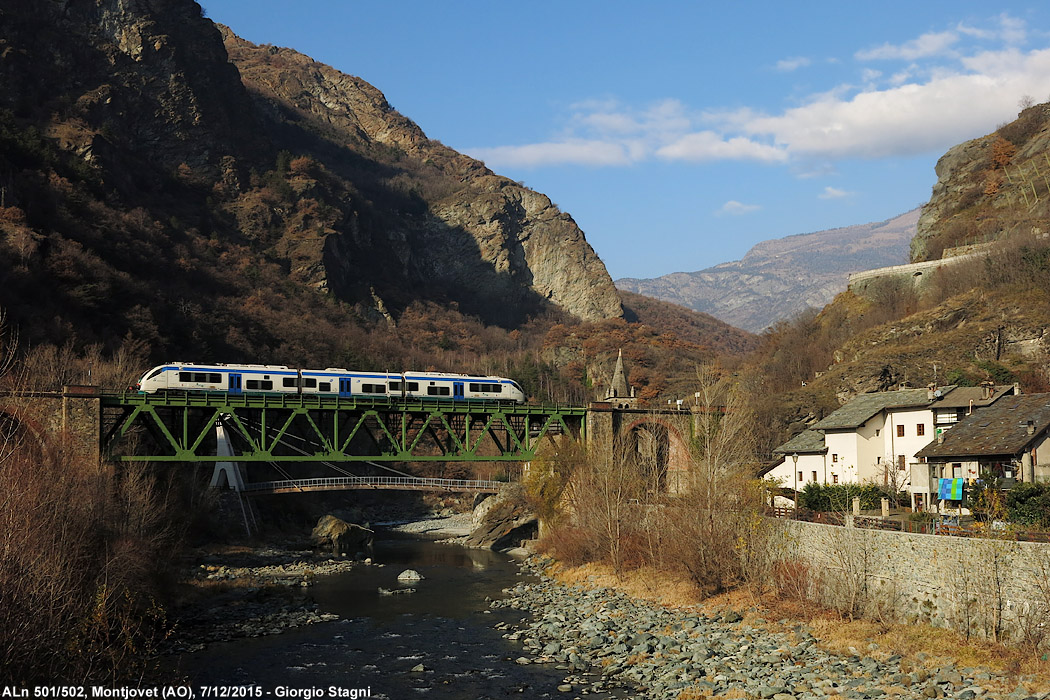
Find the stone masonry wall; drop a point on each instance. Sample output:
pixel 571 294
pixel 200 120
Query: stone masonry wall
pixel 994 588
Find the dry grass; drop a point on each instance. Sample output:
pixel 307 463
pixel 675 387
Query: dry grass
pixel 832 631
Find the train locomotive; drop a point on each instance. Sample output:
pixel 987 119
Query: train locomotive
pixel 334 381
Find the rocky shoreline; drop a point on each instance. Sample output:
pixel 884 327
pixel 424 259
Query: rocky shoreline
pixel 657 652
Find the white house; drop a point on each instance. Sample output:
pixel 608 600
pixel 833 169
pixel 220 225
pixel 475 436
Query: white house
pixel 874 437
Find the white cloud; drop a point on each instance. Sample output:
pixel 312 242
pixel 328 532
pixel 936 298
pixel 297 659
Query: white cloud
pixel 955 84
pixel 535 155
pixel 910 118
pixel 791 64
pixel 833 193
pixel 708 145
pixel 735 208
pixel 930 44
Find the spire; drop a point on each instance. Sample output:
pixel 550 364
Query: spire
pixel 618 388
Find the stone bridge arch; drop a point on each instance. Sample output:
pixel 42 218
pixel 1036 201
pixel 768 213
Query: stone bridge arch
pixel 658 441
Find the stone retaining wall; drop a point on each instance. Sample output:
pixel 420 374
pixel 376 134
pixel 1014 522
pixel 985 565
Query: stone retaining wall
pixel 995 588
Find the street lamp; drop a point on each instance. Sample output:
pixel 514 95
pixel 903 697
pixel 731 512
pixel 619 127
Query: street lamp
pixel 794 476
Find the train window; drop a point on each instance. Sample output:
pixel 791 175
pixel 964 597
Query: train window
pixel 155 373
pixel 475 387
pixel 289 381
pixel 496 388
pixel 185 376
pixel 324 386
pixel 215 378
pixel 309 382
pixel 373 388
pixel 259 385
pixel 413 386
pixel 438 391
pixel 395 386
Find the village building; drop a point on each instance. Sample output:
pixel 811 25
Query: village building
pixel 1007 440
pixel 874 437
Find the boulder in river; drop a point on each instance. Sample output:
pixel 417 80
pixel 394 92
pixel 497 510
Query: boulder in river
pixel 341 536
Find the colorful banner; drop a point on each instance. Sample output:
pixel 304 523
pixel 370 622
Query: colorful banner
pixel 950 489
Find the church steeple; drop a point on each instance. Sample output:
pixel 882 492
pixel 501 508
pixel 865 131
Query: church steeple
pixel 619 392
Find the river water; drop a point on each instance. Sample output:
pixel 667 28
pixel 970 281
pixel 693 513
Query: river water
pixel 372 650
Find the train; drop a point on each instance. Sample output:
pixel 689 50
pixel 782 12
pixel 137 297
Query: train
pixel 334 381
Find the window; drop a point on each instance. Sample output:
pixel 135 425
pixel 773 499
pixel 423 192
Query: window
pixel 373 388
pixel 877 431
pixel 814 476
pixel 413 386
pixel 920 429
pixel 438 391
pixel 155 373
pixel 900 431
pixel 288 381
pixel 900 462
pixel 395 386
pixel 834 478
pixel 878 460
pixel 489 388
pixel 800 477
pixel 259 385
pixel 324 386
pixel 834 457
pixel 309 382
pixel 185 376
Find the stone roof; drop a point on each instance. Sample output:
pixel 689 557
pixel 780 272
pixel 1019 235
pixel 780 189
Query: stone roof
pixel 960 397
pixel 861 409
pixel 997 430
pixel 806 442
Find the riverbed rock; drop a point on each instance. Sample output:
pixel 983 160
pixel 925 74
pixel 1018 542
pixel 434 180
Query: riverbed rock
pixel 410 575
pixel 341 536
pixel 503 520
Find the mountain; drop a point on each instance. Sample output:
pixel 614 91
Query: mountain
pixel 779 278
pixel 209 197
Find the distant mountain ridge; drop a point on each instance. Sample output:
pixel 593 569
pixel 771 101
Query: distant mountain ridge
pixel 780 277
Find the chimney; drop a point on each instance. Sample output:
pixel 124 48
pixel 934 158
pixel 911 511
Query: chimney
pixel 1017 389
pixel 940 437
pixel 1031 427
pixel 986 390
pixel 930 389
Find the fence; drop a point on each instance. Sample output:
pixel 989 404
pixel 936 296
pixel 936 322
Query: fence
pixel 376 482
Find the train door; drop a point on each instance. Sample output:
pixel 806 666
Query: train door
pixel 235 384
pixel 344 386
pixel 457 391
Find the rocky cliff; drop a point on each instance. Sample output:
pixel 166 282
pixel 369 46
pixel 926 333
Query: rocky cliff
pixel 779 278
pixel 990 188
pixel 158 181
pixel 477 232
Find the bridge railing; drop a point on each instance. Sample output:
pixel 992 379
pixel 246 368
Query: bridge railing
pixel 390 482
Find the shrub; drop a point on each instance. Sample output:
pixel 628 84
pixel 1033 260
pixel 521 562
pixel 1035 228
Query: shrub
pixel 1029 504
pixel 839 497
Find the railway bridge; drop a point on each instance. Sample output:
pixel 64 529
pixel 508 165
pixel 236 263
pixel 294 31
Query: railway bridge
pixel 298 443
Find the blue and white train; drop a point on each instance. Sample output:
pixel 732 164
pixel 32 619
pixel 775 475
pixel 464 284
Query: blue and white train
pixel 278 379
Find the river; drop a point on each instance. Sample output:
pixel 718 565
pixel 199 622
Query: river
pixel 445 625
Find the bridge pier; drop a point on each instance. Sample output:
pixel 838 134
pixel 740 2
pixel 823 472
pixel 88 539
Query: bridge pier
pixel 71 418
pixel 226 474
pixel 662 435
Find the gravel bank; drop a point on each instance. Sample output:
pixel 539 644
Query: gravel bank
pixel 251 594
pixel 684 654
pixel 440 526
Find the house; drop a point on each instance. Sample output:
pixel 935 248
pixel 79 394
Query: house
pixel 874 437
pixel 1008 439
pixel 804 461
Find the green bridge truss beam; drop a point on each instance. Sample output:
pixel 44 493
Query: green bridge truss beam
pixel 294 428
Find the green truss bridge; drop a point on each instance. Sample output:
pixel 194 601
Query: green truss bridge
pixel 285 429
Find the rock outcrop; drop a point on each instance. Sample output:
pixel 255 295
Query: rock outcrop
pixel 476 232
pixel 503 520
pixel 342 537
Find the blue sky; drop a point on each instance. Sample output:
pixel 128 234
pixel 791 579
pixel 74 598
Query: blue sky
pixel 679 134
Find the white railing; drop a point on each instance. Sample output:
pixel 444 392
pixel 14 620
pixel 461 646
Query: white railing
pixel 388 482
